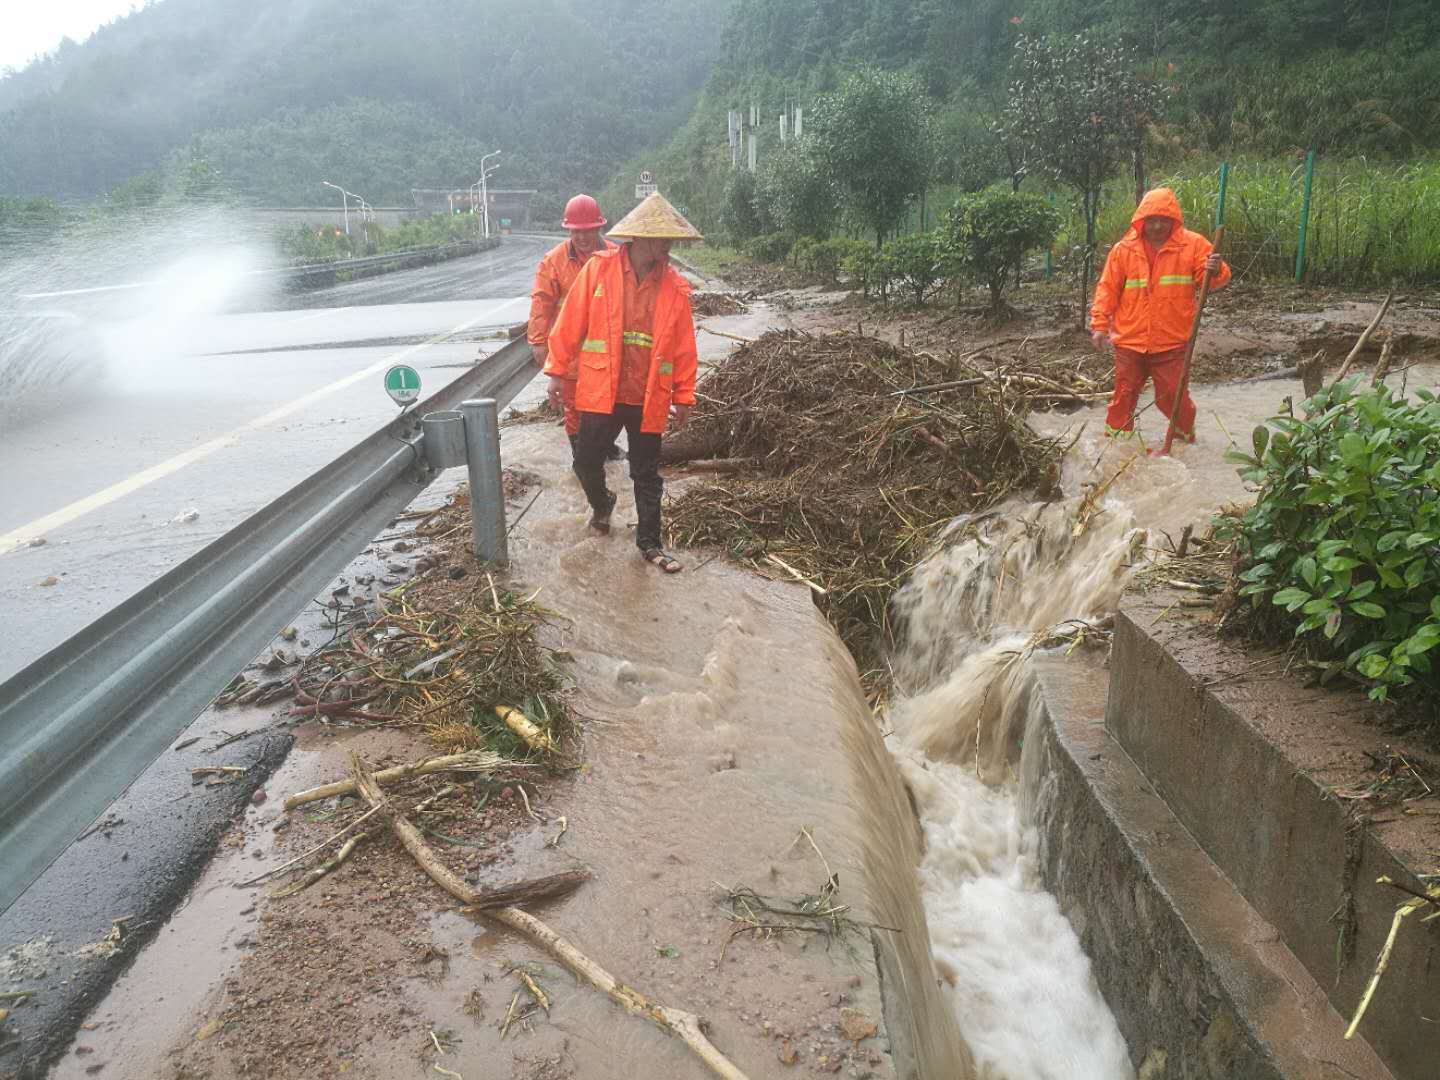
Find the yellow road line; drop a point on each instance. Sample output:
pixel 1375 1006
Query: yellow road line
pixel 20 537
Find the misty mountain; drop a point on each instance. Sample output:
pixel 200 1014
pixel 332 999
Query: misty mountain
pixel 272 96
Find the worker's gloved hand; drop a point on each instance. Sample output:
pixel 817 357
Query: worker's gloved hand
pixel 540 352
pixel 1100 339
pixel 680 414
pixel 556 393
pixel 1212 263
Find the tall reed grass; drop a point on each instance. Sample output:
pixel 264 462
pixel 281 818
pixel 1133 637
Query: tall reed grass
pixel 1370 223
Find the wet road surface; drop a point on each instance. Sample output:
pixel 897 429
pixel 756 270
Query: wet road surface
pixel 203 414
pixel 200 418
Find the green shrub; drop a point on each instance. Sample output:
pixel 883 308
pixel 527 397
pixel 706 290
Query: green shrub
pixel 829 256
pixel 988 235
pixel 1344 536
pixel 770 248
pixel 869 270
pixel 802 253
pixel 917 263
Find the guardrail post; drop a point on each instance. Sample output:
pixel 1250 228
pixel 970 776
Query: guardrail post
pixel 487 494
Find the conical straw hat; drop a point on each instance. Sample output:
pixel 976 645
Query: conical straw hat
pixel 655 219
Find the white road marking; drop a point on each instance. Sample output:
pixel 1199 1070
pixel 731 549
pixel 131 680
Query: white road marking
pixel 20 537
pixel 314 315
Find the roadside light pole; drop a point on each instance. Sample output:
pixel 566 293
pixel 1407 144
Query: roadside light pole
pixel 367 214
pixel 485 190
pixel 344 202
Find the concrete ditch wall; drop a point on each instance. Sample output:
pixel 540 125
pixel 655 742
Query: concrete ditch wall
pixel 1236 759
pixel 1200 985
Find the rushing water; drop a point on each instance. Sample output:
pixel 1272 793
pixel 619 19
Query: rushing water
pixel 1007 967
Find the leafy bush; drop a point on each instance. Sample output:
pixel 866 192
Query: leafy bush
pixel 830 256
pixel 770 247
pixel 1344 535
pixel 868 269
pixel 918 263
pixel 740 220
pixel 826 258
pixel 988 235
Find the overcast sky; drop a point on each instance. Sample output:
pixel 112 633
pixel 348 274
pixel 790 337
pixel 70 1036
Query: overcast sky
pixel 31 27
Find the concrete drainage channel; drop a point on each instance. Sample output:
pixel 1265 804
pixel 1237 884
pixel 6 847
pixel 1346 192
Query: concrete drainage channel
pixel 1204 869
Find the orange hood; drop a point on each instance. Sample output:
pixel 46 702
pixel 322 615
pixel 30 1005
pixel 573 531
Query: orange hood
pixel 1158 202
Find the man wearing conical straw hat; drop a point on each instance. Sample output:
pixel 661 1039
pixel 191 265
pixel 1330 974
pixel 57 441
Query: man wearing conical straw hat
pixel 625 339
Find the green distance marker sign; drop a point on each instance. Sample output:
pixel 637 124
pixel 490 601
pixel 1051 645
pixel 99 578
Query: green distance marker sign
pixel 402 383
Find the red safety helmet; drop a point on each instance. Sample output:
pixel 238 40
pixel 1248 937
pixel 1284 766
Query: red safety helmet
pixel 583 212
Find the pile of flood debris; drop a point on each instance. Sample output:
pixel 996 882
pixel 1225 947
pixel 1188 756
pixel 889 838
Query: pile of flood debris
pixel 841 459
pixel 707 304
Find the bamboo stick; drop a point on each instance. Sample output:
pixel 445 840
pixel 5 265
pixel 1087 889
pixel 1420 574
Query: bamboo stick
pixel 1364 337
pixel 686 1025
pixel 470 761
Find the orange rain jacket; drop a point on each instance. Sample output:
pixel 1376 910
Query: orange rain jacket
pixel 1145 306
pixel 586 342
pixel 554 276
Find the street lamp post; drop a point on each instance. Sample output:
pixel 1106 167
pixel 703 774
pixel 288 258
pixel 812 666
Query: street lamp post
pixel 367 213
pixel 344 202
pixel 485 190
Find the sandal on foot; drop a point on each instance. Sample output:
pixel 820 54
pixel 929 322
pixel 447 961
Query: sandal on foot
pixel 656 557
pixel 600 522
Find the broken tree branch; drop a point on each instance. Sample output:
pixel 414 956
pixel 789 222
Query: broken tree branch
pixel 1364 337
pixel 685 1025
pixel 1382 366
pixel 470 761
pixel 316 873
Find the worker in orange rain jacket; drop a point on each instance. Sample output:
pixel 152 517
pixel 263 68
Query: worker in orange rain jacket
pixel 1145 304
pixel 557 271
pixel 625 342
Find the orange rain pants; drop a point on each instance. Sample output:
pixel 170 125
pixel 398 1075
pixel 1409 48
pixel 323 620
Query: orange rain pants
pixel 1132 370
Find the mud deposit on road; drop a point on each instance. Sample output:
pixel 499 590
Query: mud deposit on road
pixel 697 696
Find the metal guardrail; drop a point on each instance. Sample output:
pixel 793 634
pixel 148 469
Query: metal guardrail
pixel 345 265
pixel 293 273
pixel 79 724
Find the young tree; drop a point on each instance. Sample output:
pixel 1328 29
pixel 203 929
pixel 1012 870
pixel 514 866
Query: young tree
pixel 872 137
pixel 916 263
pixel 796 192
pixel 740 218
pixel 1079 110
pixel 988 235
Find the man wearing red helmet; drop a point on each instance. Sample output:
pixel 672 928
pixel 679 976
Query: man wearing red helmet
pixel 553 277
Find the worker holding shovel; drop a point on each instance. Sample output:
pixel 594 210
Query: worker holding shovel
pixel 1145 307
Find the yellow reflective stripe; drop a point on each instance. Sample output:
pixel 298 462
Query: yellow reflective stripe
pixel 592 345
pixel 1176 279
pixel 599 290
pixel 1136 282
pixel 635 337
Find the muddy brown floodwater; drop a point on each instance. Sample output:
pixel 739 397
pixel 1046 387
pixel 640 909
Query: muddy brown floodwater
pixel 721 720
pixel 714 704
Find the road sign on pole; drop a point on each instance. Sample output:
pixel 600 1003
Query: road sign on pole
pixel 402 383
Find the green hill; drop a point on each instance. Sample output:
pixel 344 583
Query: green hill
pixel 1241 77
pixel 276 95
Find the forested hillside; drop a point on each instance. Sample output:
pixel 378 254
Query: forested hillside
pixel 1239 77
pixel 265 98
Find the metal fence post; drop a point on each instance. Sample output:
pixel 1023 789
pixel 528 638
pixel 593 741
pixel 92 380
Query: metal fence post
pixel 1304 215
pixel 487 494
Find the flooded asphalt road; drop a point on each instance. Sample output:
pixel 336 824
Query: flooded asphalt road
pixel 201 417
